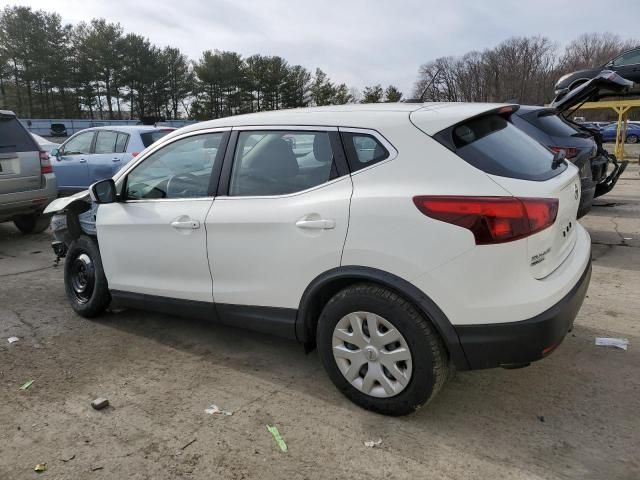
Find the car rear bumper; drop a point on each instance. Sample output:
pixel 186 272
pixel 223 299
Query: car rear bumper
pixel 30 201
pixel 520 343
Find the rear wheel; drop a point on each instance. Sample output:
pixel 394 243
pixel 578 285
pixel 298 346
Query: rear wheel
pixel 632 139
pixel 380 351
pixel 84 279
pixel 34 223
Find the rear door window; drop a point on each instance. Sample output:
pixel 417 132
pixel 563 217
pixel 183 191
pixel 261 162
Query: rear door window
pixel 495 146
pixel 274 162
pixel 14 137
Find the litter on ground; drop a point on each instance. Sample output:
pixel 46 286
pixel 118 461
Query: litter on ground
pixel 373 443
pixel 621 343
pixel 27 385
pixel 41 467
pixel 12 339
pixel 99 403
pixel 279 440
pixel 215 410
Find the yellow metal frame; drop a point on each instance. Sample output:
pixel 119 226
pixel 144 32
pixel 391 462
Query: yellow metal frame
pixel 622 108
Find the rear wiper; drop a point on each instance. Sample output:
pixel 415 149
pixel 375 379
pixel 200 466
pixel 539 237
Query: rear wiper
pixel 558 159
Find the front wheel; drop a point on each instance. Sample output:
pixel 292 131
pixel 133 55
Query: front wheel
pixel 84 279
pixel 632 139
pixel 380 351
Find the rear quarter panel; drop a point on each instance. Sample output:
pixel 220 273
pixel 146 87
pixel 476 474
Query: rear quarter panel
pixel 386 230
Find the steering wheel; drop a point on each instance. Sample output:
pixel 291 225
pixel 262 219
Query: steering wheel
pixel 184 181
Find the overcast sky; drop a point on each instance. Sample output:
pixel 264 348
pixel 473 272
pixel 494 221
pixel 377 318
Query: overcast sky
pixel 359 42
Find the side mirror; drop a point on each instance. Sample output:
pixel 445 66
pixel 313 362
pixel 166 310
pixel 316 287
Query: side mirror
pixel 103 191
pixel 55 153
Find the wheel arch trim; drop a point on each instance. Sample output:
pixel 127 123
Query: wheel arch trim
pixel 337 278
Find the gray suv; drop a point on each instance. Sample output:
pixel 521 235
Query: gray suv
pixel 27 181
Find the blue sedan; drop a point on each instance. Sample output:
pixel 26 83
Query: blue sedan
pixel 98 153
pixel 609 132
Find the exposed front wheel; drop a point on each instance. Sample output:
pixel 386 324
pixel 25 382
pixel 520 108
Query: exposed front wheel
pixel 380 351
pixel 632 139
pixel 84 279
pixel 34 223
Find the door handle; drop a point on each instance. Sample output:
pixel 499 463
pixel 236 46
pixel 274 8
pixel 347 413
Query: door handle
pixel 83 160
pixel 185 224
pixel 115 159
pixel 322 224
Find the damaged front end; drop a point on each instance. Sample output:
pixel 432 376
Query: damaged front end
pixel 72 216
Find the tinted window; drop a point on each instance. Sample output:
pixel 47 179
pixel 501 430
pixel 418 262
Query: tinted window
pixel 181 169
pixel 629 58
pixel 495 146
pixel 551 124
pixel 280 162
pixel 150 137
pixel 14 137
pixel 105 142
pixel 121 143
pixel 80 144
pixel 363 150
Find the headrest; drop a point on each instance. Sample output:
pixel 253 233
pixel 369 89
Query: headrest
pixel 276 160
pixel 322 148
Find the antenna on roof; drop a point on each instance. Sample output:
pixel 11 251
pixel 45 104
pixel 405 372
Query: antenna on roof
pixel 420 99
pixel 433 79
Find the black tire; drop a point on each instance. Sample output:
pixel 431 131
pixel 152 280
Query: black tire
pixel 34 223
pixel 632 139
pixel 84 279
pixel 429 356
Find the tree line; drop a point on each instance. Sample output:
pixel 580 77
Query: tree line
pixel 50 69
pixel 520 69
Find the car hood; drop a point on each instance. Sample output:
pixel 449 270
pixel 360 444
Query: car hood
pixel 61 204
pixel 605 83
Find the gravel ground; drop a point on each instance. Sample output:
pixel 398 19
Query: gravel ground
pixel 572 415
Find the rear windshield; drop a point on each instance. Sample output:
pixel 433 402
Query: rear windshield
pixel 495 146
pixel 551 124
pixel 14 137
pixel 150 137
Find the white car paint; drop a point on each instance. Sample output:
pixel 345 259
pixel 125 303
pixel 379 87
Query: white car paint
pixel 44 144
pixel 257 255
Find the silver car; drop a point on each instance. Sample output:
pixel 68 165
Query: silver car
pixel 27 181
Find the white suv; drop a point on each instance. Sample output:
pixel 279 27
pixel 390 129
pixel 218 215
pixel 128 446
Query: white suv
pixel 400 239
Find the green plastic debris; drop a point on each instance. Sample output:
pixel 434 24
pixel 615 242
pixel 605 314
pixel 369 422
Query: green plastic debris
pixel 276 434
pixel 26 385
pixel 41 467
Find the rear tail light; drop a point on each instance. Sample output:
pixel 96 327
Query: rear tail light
pixel 135 154
pixel 569 152
pixel 492 219
pixel 45 163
